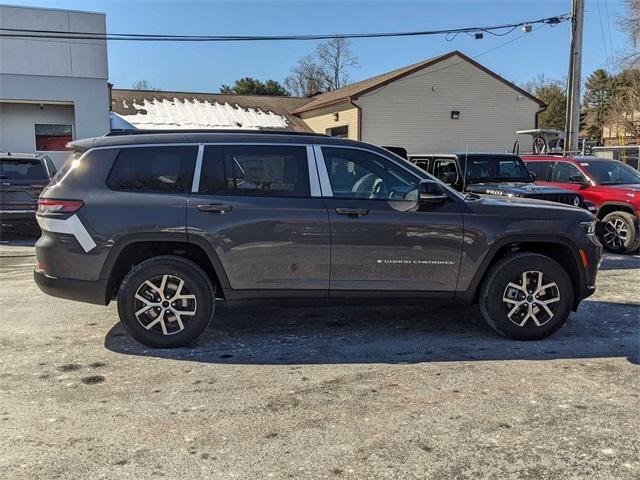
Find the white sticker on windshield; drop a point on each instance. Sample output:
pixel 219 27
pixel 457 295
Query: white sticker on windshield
pixel 584 164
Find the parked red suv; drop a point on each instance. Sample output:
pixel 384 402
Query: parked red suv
pixel 611 185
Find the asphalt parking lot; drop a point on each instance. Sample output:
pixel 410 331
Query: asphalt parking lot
pixel 311 393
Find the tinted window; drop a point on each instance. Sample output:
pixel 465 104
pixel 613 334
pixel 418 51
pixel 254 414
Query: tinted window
pixel 422 163
pixel 364 175
pixel 611 173
pixel 563 171
pixel 257 170
pixel 540 169
pixel 443 166
pixel 502 168
pixel 21 170
pixel 154 169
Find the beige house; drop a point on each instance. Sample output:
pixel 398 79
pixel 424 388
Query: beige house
pixel 448 103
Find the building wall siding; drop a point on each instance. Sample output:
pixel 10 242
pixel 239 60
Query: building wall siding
pixel 321 120
pixel 51 72
pixel 415 112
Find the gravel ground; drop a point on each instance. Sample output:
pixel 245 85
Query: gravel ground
pixel 318 393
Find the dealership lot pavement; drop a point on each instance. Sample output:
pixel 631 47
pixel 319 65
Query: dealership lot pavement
pixel 312 393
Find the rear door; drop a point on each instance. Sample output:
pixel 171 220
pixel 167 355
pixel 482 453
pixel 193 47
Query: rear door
pixel 259 207
pixel 21 181
pixel 381 239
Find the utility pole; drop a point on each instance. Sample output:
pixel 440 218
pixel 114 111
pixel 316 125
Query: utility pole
pixel 572 127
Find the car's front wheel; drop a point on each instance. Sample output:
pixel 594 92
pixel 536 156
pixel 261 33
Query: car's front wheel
pixel 526 296
pixel 166 301
pixel 620 233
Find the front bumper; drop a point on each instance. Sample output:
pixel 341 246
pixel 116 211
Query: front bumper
pixel 72 289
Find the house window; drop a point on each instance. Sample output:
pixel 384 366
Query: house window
pixel 52 138
pixel 339 132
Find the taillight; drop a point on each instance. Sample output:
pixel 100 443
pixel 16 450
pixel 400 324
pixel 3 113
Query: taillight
pixel 50 205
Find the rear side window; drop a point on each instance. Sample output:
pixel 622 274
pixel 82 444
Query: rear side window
pixel 255 170
pixel 24 169
pixel 541 170
pixel 154 169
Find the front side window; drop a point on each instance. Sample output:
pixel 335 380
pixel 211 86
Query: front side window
pixel 540 169
pixel 154 169
pixel 52 137
pixel 359 174
pixel 564 171
pixel 444 169
pixel 255 170
pixel 611 172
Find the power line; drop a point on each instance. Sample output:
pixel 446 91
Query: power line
pixel 495 30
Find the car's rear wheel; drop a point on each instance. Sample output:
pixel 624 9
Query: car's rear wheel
pixel 620 233
pixel 526 296
pixel 166 301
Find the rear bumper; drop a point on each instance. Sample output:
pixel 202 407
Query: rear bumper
pixel 71 289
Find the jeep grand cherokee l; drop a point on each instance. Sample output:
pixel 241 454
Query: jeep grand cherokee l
pixel 612 186
pixel 173 224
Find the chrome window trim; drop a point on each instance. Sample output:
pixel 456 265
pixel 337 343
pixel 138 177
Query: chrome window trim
pixel 195 186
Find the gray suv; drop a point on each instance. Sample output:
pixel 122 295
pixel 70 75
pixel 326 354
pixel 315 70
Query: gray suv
pixel 173 224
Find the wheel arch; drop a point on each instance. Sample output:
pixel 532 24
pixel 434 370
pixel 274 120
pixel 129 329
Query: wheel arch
pixel 609 207
pixel 134 249
pixel 560 249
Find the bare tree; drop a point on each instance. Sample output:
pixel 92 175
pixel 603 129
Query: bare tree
pixel 335 59
pixel 143 85
pixel 326 69
pixel 306 78
pixel 630 23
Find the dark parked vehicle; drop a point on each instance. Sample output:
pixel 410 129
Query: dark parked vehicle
pixel 493 174
pixel 173 225
pixel 22 178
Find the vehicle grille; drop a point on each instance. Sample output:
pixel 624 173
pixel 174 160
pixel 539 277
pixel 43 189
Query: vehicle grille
pixel 566 198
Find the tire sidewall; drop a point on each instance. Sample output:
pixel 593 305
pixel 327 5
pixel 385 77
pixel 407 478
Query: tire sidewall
pixel 193 276
pixel 511 271
pixel 632 226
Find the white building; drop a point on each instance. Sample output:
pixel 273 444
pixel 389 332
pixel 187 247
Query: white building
pixel 51 90
pixel 445 104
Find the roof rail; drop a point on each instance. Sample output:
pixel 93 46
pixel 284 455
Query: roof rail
pixel 135 131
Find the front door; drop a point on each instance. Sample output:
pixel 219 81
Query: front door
pixel 260 208
pixel 381 238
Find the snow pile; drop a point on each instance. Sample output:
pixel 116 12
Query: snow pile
pixel 193 114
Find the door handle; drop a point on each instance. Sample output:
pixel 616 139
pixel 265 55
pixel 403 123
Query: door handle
pixel 352 212
pixel 215 207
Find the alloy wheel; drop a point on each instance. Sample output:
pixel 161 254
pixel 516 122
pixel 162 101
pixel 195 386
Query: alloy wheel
pixel 164 303
pixel 530 298
pixel 616 233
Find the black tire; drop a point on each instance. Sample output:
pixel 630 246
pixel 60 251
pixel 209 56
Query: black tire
pixel 510 269
pixel 620 232
pixel 196 305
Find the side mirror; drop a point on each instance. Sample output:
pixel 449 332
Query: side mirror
pixel 450 178
pixel 431 192
pixel 580 180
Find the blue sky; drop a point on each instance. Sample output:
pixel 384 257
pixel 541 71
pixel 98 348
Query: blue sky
pixel 204 67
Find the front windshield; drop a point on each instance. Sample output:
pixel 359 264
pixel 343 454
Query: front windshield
pixel 611 172
pixel 498 169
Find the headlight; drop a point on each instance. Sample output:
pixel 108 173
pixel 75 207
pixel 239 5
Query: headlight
pixel 589 227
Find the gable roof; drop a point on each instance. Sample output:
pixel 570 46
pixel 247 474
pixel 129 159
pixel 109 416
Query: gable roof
pixel 159 109
pixel 354 90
